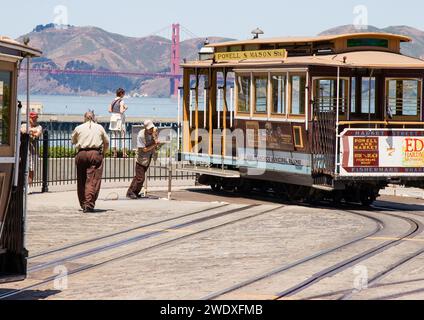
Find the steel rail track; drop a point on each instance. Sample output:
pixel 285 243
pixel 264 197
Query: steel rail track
pixel 132 254
pixel 381 275
pixel 81 243
pixel 379 227
pixel 416 228
pixel 138 238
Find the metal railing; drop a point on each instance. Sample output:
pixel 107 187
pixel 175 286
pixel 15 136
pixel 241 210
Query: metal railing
pixel 54 161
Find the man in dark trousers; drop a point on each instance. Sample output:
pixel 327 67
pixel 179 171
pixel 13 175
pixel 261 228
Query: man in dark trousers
pixel 92 143
pixel 147 144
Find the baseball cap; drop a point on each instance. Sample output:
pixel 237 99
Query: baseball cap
pixel 33 115
pixel 148 124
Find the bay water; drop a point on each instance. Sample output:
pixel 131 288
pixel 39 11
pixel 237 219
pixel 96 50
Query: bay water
pixel 145 107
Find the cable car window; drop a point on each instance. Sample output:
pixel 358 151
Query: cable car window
pixel 243 88
pixel 278 94
pixel 353 95
pixel 203 92
pixel 326 94
pixel 368 96
pixel 367 42
pixel 261 94
pixel 404 97
pixel 5 98
pixel 298 139
pixel 298 87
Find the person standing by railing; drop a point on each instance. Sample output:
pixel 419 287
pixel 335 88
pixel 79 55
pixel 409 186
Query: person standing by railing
pixel 35 132
pixel 117 122
pixel 92 143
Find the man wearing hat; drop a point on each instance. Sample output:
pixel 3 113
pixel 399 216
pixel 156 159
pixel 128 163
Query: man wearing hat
pixel 35 132
pixel 147 144
pixel 92 143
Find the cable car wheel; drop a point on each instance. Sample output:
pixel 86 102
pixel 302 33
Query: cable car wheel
pixel 367 197
pixel 216 186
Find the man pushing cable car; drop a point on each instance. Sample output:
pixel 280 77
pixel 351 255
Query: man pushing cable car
pixel 147 146
pixel 92 143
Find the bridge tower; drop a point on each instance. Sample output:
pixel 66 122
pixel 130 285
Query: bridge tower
pixel 175 59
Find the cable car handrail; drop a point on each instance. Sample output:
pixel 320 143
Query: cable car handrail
pixel 388 123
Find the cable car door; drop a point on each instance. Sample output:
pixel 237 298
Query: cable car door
pixel 223 114
pixel 12 250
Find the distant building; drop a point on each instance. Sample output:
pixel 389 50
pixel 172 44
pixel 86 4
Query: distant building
pixel 33 107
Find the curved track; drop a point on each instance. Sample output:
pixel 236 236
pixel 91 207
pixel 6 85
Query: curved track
pixel 416 228
pixel 381 275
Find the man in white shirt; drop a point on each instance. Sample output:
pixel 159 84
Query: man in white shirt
pixel 92 143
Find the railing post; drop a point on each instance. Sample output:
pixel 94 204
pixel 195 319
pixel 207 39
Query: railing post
pixel 45 187
pixel 170 172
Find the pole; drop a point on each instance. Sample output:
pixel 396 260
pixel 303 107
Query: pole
pixel 369 97
pixel 205 107
pixel 45 187
pixel 231 107
pixel 18 144
pixel 219 108
pixel 337 118
pixel 170 168
pixel 146 183
pixel 179 119
pixel 191 108
pixel 25 195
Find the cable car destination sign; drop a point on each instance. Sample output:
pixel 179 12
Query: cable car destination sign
pixel 382 152
pixel 253 55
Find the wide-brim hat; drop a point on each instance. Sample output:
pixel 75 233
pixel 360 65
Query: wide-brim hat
pixel 148 125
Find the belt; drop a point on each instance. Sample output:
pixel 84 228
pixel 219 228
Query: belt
pixel 90 149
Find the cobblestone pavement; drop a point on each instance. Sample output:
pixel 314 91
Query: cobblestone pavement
pixel 199 243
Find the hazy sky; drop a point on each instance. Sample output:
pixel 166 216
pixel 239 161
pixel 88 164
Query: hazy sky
pixel 233 19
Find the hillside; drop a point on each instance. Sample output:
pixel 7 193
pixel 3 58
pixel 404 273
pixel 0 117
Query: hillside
pixel 91 48
pixel 414 49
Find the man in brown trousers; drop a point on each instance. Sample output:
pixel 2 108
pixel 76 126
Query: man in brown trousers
pixel 92 143
pixel 147 145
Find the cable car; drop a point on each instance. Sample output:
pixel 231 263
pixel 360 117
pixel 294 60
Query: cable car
pixel 13 162
pixel 331 117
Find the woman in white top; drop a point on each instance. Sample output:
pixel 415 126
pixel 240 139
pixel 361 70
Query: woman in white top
pixel 35 132
pixel 117 122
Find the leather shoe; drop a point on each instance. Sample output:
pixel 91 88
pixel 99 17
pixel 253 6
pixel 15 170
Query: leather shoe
pixel 132 197
pixel 88 210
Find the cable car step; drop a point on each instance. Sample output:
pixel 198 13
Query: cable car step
pixel 230 174
pixel 8 278
pixel 323 187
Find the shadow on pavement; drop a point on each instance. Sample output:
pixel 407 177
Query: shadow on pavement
pixel 400 206
pixel 28 294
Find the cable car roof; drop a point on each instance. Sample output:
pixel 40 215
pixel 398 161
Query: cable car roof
pixel 288 40
pixel 20 48
pixel 357 59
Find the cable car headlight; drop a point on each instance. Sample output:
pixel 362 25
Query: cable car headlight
pixel 206 53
